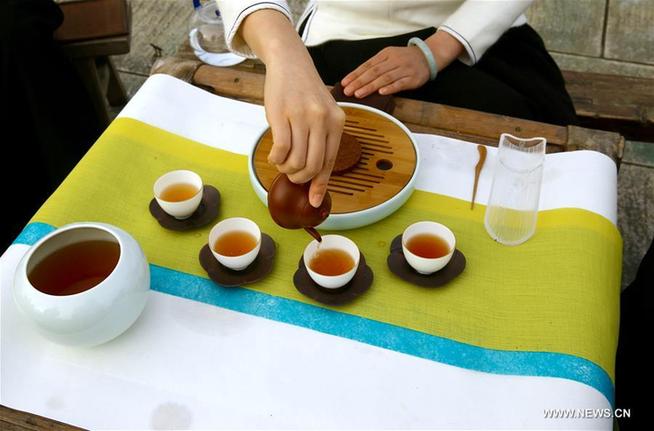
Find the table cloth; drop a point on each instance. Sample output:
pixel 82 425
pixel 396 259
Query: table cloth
pixel 523 330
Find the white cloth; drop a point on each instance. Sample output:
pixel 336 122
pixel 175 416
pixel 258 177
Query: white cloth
pixel 477 24
pixel 187 364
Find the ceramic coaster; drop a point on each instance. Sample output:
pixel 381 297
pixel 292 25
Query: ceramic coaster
pixel 258 270
pixel 400 267
pixel 349 153
pixel 384 103
pixel 206 213
pixel 359 284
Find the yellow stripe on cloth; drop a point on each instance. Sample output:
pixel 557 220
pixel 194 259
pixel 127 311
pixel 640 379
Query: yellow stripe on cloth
pixel 558 292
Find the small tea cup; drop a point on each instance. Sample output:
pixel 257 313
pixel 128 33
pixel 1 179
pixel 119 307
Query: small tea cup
pixel 332 242
pixel 425 265
pixel 234 224
pixel 182 209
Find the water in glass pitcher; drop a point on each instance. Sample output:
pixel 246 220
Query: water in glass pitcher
pixel 512 208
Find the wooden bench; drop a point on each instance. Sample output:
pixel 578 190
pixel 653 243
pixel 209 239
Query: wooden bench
pixel 610 102
pixel 92 31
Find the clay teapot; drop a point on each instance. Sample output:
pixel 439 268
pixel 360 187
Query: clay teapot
pixel 289 205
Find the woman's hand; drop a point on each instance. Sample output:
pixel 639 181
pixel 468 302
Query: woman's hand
pixel 305 120
pixel 391 70
pixel 306 124
pixel 395 69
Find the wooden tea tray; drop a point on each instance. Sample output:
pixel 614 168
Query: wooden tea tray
pixel 388 162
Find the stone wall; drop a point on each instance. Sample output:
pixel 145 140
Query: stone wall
pixel 603 36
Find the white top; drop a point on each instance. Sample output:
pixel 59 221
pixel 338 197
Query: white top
pixel 477 24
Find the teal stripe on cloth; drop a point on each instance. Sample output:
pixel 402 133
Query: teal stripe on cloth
pixel 384 335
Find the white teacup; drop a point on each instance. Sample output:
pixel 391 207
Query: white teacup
pixel 180 209
pixel 332 242
pixel 234 224
pixel 109 303
pixel 425 265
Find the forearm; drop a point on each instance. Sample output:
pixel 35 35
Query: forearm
pixel 445 48
pixel 279 43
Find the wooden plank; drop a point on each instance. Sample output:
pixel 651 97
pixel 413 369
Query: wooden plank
pixel 98 47
pixel 629 31
pixel 573 27
pixel 246 82
pixel 11 419
pixel 240 84
pixel 610 102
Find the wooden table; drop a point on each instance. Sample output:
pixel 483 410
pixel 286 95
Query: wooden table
pixel 15 420
pixel 246 81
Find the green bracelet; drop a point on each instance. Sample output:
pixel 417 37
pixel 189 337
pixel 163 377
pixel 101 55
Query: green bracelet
pixel 433 68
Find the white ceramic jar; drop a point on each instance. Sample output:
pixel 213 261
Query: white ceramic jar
pixel 98 314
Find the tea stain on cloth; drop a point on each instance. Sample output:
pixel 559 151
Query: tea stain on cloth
pixel 171 416
pixel 55 403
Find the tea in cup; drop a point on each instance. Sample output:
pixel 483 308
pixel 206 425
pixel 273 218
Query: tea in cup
pixel 179 193
pixel 333 262
pixel 235 242
pixel 83 284
pixel 428 246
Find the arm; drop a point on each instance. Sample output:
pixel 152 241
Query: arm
pixel 465 35
pixel 306 123
pixel 479 24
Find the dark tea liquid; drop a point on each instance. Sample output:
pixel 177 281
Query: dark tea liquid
pixel 331 261
pixel 75 268
pixel 428 245
pixel 235 243
pixel 178 192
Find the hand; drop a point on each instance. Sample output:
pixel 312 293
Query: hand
pixel 395 69
pixel 306 125
pixel 305 120
pixel 391 70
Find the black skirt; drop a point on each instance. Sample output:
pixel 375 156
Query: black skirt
pixel 515 77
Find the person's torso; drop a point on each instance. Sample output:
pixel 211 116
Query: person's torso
pixel 366 19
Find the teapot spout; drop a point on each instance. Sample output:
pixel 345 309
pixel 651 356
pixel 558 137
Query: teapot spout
pixel 314 233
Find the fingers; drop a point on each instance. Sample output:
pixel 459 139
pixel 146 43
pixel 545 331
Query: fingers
pixel 371 62
pixel 380 81
pixel 319 183
pixel 392 70
pixel 315 156
pixel 297 156
pixel 281 131
pixel 401 84
pixel 356 87
pixel 309 142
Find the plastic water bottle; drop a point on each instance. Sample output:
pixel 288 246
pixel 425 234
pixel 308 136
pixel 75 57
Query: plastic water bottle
pixel 207 21
pixel 207 37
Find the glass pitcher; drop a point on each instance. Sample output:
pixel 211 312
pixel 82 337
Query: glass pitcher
pixel 512 208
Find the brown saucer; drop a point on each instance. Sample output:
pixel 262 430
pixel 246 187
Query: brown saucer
pixel 359 284
pixel 205 214
pixel 400 267
pixel 259 269
pixel 375 100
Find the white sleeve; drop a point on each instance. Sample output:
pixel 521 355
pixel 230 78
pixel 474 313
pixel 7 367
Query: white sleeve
pixel 234 12
pixel 478 24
